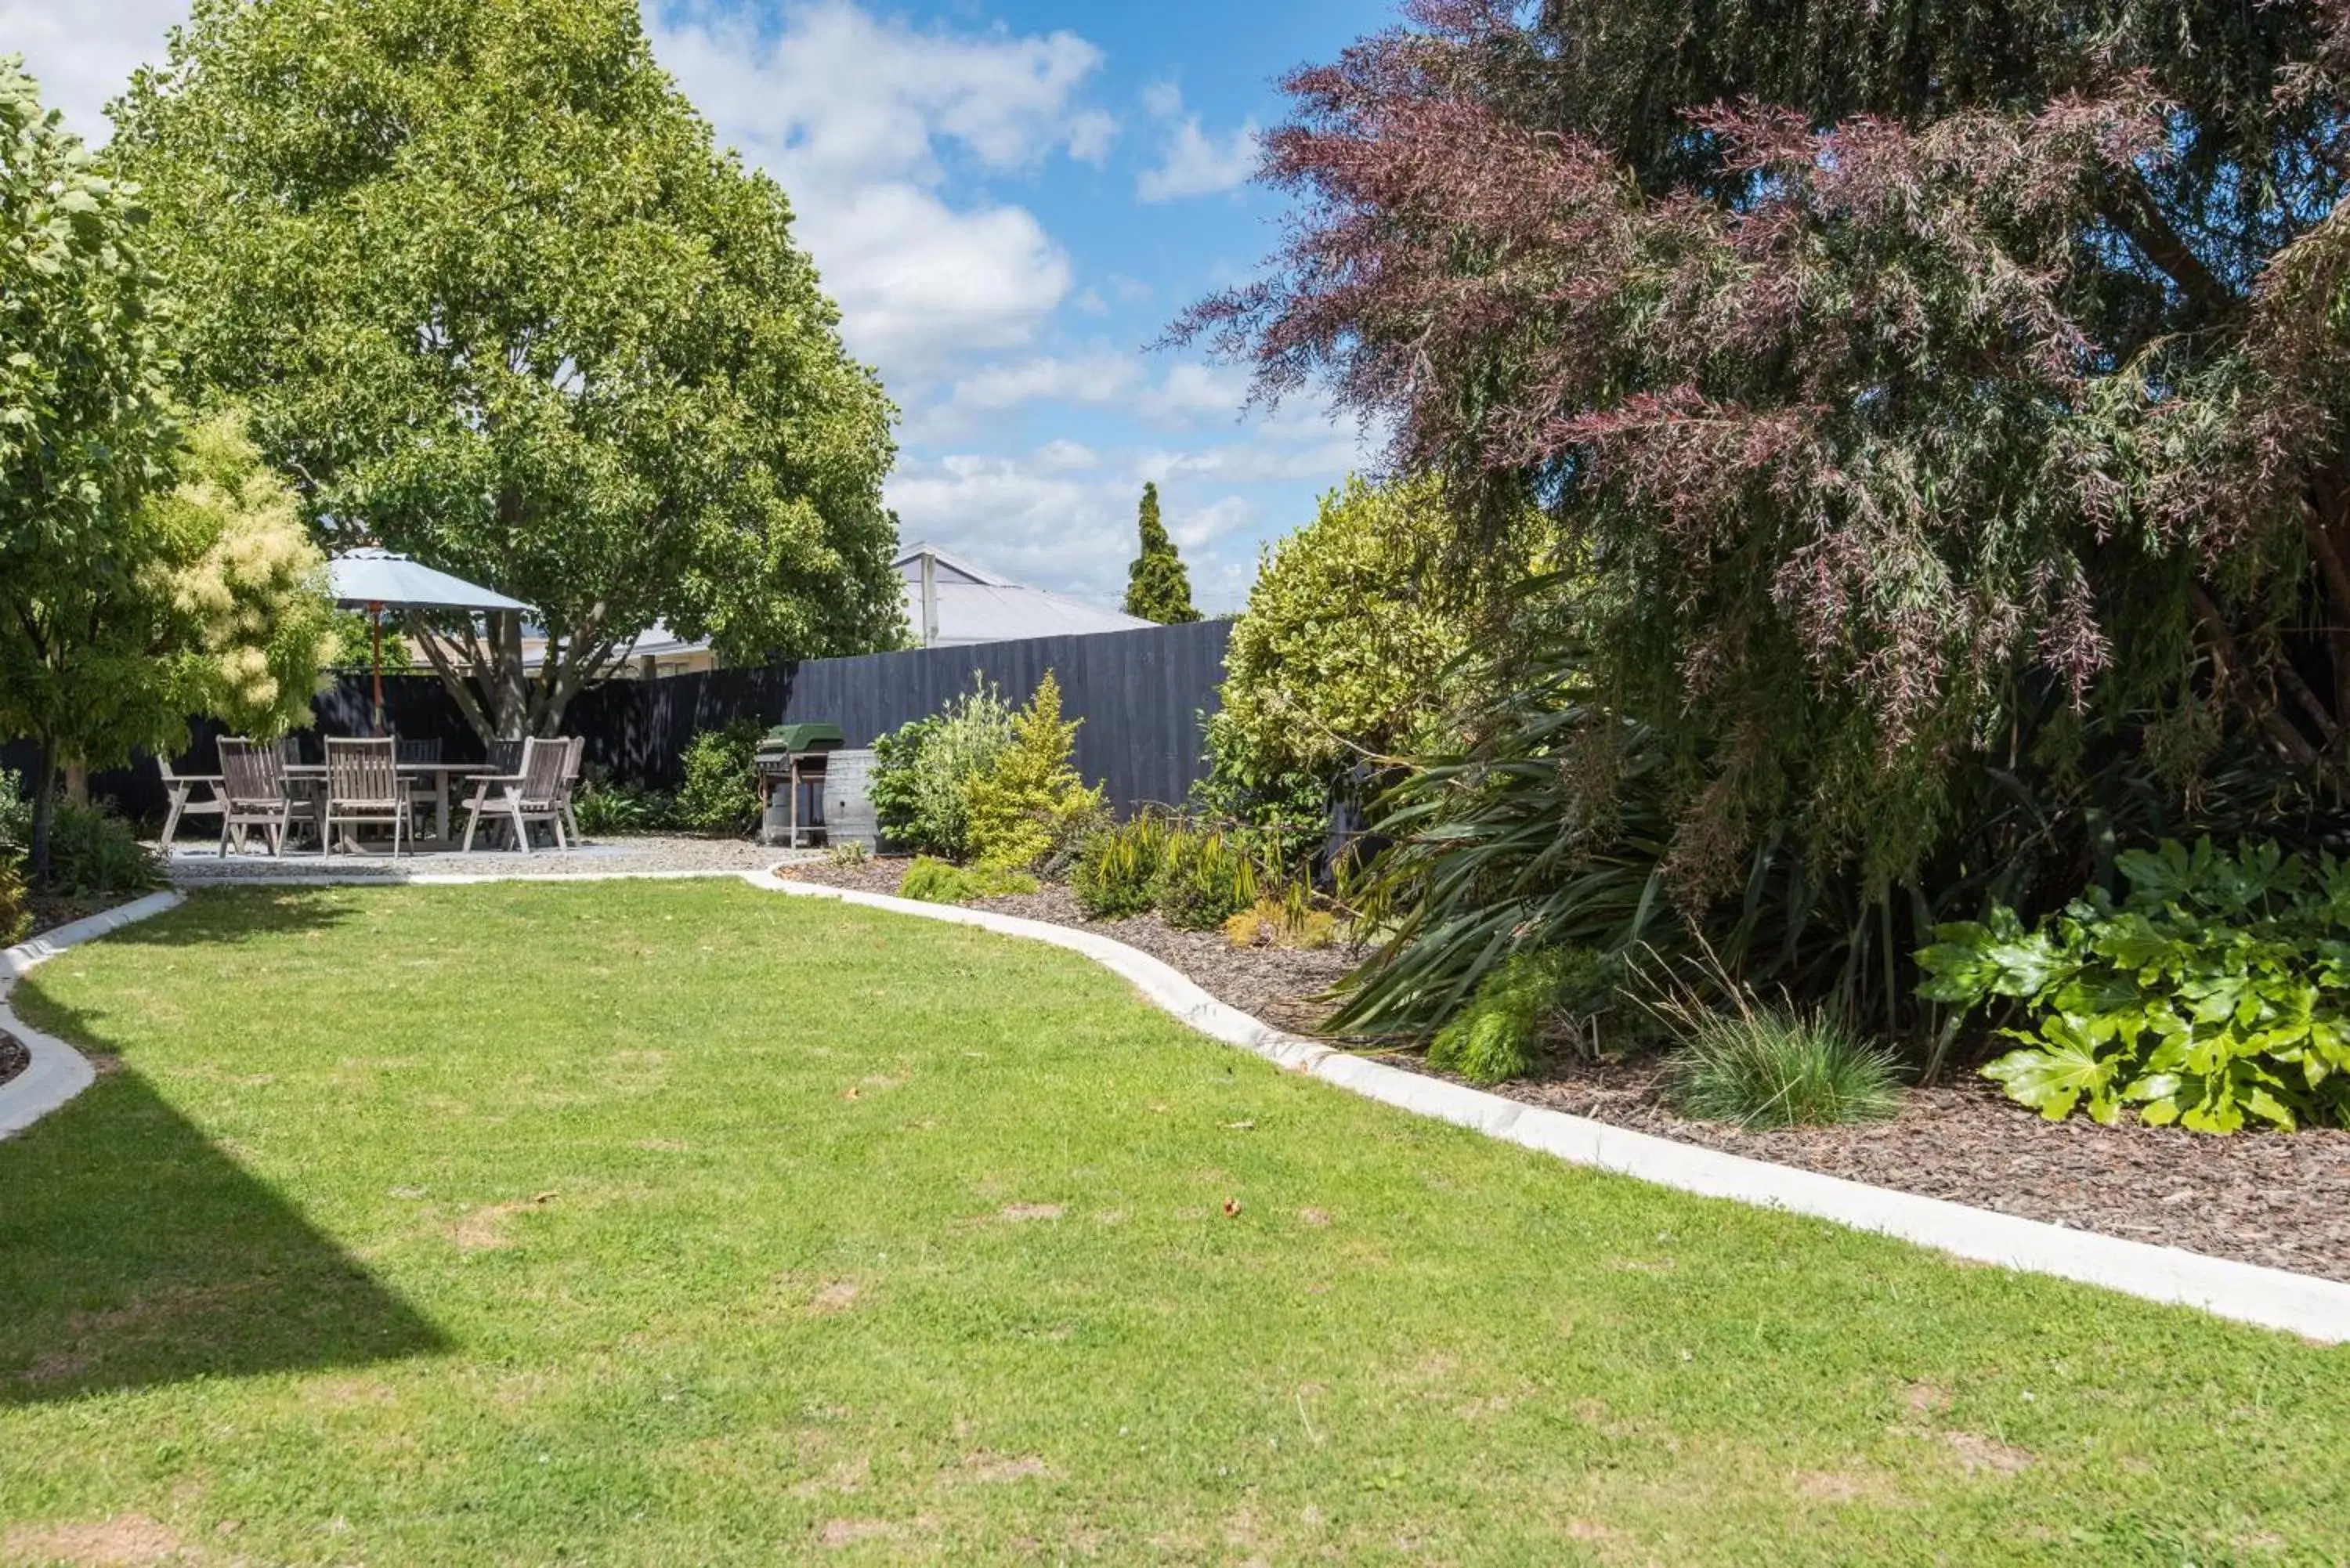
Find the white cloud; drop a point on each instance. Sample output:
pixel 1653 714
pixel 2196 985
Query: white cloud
pixel 83 54
pixel 1192 162
pixel 1093 381
pixel 1201 526
pixel 860 116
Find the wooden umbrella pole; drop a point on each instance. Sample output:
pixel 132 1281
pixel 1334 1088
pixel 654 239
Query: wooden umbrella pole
pixel 378 611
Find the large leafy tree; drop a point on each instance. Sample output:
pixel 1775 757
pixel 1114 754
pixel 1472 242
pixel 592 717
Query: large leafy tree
pixel 1903 371
pixel 494 300
pixel 1157 587
pixel 85 429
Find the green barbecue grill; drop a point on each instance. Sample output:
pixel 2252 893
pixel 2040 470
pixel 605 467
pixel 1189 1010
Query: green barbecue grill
pixel 789 766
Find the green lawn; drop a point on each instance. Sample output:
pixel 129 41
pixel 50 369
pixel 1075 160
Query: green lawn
pixel 673 1223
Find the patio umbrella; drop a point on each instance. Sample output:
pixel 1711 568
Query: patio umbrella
pixel 377 580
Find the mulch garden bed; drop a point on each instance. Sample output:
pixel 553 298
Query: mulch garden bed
pixel 1276 984
pixel 2275 1198
pixel 14 1058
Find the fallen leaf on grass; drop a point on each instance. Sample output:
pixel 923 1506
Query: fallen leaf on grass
pixel 1232 1208
pixel 1239 1127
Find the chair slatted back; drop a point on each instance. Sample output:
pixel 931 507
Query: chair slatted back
pixel 420 750
pixel 505 757
pixel 574 757
pixel 362 773
pixel 542 773
pixel 252 774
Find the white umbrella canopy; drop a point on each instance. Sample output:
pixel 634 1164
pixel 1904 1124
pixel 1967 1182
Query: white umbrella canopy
pixel 386 579
pixel 376 580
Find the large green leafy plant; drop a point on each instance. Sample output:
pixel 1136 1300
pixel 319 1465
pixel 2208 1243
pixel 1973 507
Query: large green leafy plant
pixel 922 771
pixel 2216 993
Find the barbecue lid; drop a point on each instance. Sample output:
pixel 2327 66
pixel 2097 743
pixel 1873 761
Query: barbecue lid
pixel 801 738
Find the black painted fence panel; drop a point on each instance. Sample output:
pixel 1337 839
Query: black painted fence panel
pixel 1140 694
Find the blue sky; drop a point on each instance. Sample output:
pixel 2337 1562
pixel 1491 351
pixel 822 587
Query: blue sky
pixel 1010 200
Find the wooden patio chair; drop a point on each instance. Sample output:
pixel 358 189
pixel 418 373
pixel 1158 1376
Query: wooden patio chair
pixel 179 793
pixel 254 793
pixel 574 757
pixel 506 758
pixel 421 795
pixel 362 787
pixel 532 795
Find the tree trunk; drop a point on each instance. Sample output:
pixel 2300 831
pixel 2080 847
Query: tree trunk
pixel 77 781
pixel 45 800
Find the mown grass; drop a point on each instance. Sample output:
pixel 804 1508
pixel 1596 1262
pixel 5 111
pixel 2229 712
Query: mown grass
pixel 678 1223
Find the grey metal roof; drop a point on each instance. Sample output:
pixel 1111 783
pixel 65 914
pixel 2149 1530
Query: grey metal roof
pixel 370 576
pixel 1006 612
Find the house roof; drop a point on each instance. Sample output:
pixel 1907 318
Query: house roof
pixel 976 604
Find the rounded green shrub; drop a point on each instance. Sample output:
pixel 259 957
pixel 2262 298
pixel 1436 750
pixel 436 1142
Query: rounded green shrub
pixel 1492 1040
pixel 935 881
pixel 720 794
pixel 94 853
pixel 1764 1066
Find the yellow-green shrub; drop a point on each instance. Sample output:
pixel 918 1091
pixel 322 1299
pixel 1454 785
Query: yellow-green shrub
pixel 1028 802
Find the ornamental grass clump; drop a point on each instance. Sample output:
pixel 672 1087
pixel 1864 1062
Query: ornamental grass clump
pixel 1765 1067
pixel 1203 881
pixel 934 881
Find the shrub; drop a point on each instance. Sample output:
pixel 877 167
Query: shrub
pixel 922 773
pixel 720 794
pixel 1204 879
pixel 1289 921
pixel 936 881
pixel 93 852
pixel 15 814
pixel 605 809
pixel 848 852
pixel 2217 992
pixel 893 788
pixel 16 915
pixel 1028 806
pixel 1116 866
pixel 1764 1066
pixel 1492 1039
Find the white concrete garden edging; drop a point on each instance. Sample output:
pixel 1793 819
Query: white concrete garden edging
pixel 57 1072
pixel 2314 1308
pixel 2273 1298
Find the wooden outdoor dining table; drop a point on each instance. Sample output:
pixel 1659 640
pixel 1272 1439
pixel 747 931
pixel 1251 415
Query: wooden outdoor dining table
pixel 314 777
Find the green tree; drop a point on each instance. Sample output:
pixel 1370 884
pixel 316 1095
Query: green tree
pixel 1929 383
pixel 1156 587
pixel 85 431
pixel 494 299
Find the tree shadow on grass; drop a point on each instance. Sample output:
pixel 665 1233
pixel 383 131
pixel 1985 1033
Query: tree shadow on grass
pixel 134 1252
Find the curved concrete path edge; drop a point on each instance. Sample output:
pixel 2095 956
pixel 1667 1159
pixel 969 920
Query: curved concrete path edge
pixel 57 1072
pixel 2314 1308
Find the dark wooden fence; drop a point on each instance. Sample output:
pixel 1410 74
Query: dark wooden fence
pixel 1140 694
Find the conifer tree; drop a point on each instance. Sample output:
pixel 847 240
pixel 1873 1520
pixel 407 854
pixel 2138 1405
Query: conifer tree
pixel 1156 587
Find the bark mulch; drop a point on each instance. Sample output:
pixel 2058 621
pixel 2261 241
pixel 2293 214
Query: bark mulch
pixel 2277 1198
pixel 14 1058
pixel 1276 984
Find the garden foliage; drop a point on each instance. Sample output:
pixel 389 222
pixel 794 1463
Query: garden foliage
pixel 2214 993
pixel 936 881
pixel 1493 1038
pixel 94 853
pixel 1761 1066
pixel 1204 877
pixel 1027 808
pixel 719 793
pixel 1351 651
pixel 1118 867
pixel 1943 400
pixel 608 807
pixel 922 773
